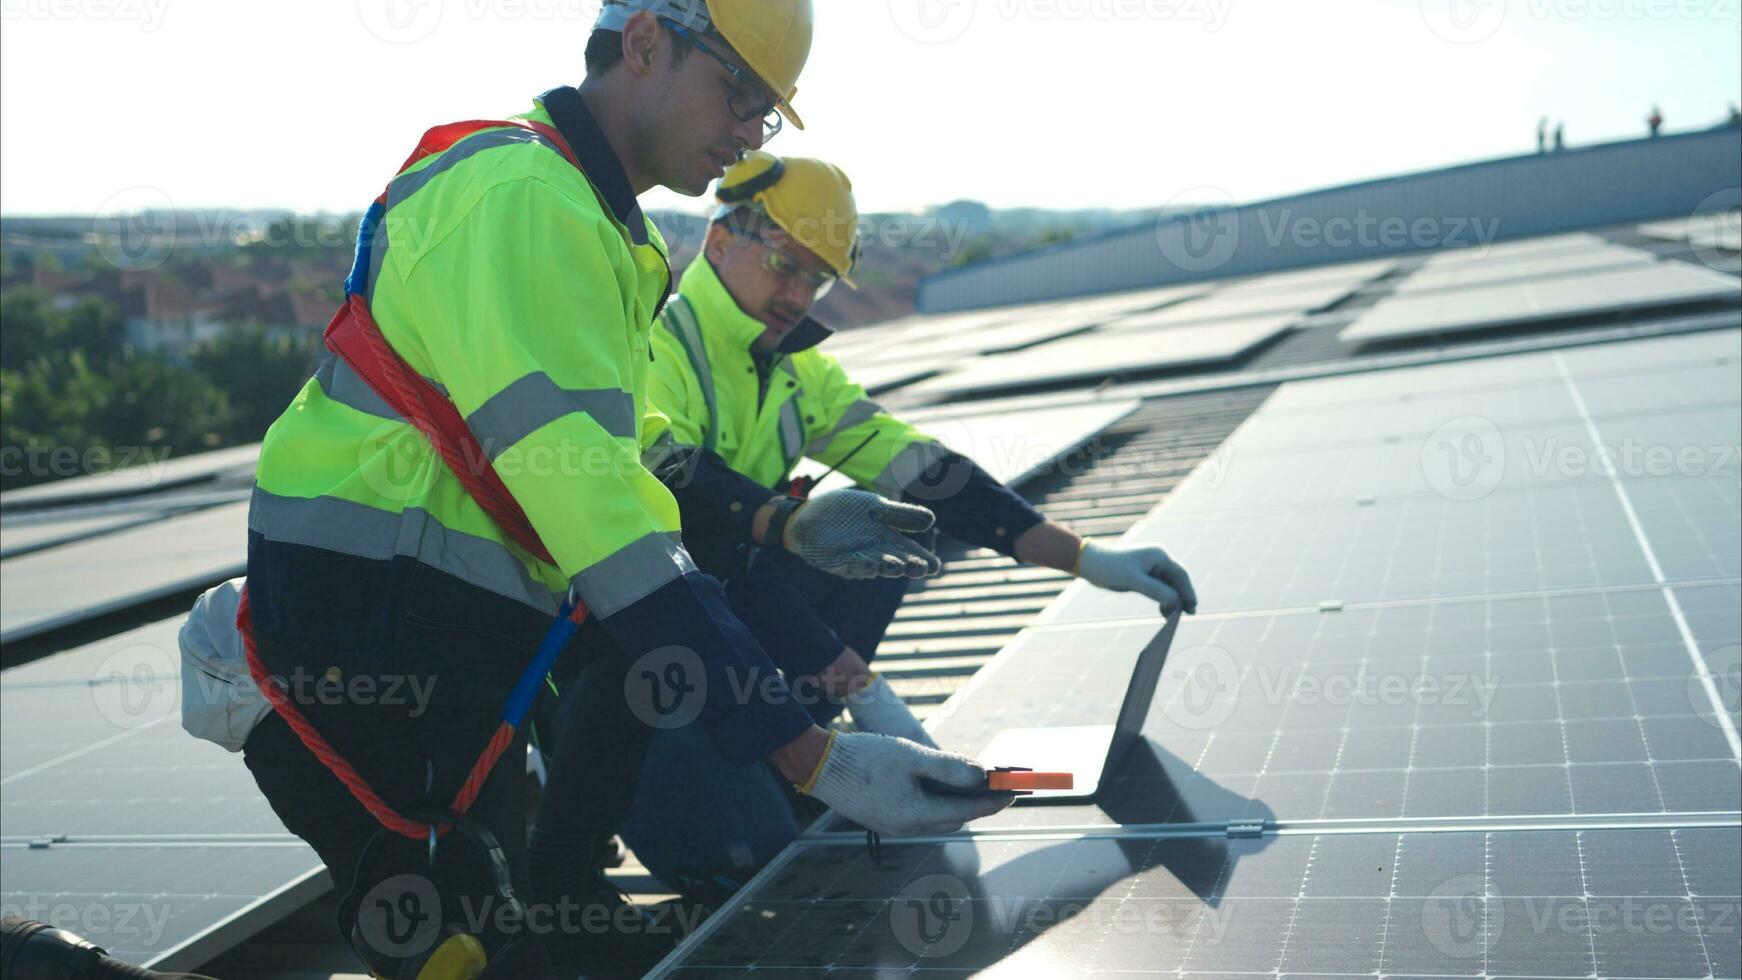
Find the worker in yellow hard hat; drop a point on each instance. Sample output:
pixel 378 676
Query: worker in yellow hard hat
pixel 504 291
pixel 741 393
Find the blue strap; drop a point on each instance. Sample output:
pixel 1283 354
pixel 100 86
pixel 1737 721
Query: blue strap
pixel 526 689
pixel 358 281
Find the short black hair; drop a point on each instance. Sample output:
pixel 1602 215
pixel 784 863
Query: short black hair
pixel 605 50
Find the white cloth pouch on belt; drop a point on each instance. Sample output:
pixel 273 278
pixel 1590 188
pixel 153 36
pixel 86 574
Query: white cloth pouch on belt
pixel 219 699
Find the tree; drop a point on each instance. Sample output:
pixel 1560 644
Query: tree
pixel 259 373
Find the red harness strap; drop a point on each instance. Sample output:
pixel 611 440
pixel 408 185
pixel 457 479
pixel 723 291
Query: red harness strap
pixel 354 336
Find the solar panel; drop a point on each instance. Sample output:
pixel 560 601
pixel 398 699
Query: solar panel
pixel 166 905
pixel 21 538
pixel 1011 446
pixel 1554 537
pixel 890 375
pixel 1570 904
pixel 1518 248
pixel 1097 356
pixel 93 745
pixel 1538 705
pixel 945 343
pixel 1668 231
pixel 1662 284
pixel 1222 306
pixel 1388 391
pixel 1326 496
pixel 1349 273
pixel 1707 230
pixel 146 476
pixel 78 581
pixel 946 336
pixel 893 333
pixel 1376 653
pixel 113 819
pixel 1728 238
pixel 1467 275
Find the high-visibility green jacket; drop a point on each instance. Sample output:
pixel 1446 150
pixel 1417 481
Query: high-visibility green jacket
pixel 712 401
pixel 727 433
pixel 526 289
pixel 708 394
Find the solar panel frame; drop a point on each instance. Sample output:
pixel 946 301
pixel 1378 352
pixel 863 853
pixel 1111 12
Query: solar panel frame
pixel 1185 346
pixel 1631 288
pixel 1494 272
pixel 145 477
pixel 1221 307
pixel 79 581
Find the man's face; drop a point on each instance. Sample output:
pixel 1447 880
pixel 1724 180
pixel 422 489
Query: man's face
pixel 748 268
pixel 686 127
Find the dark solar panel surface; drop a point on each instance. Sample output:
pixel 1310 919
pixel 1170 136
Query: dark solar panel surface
pixel 1572 904
pixel 1423 656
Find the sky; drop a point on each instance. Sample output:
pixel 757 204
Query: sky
pixel 111 105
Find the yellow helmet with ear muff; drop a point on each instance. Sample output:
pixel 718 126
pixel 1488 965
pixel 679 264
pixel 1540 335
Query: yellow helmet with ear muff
pixel 810 200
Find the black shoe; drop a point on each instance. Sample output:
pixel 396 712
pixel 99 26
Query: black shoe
pixel 604 935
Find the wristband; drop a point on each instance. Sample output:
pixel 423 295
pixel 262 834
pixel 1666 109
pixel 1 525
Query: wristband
pixel 777 521
pixel 805 787
pixel 1077 566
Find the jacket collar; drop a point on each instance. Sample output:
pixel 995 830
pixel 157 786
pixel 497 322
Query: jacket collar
pixel 720 316
pixel 569 114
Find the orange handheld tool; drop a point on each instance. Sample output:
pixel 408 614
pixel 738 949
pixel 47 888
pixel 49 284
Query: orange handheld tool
pixel 1013 780
pixel 1026 781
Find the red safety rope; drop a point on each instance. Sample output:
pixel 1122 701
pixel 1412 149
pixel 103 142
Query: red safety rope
pixel 355 337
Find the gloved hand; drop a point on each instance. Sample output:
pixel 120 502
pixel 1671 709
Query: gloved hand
pixel 1145 569
pixel 877 708
pixel 873 780
pixel 858 534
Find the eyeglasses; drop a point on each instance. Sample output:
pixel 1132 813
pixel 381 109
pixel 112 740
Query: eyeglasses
pixel 747 100
pixel 791 271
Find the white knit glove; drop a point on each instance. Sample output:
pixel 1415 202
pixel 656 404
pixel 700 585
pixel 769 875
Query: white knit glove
pixel 1144 569
pixel 858 534
pixel 877 708
pixel 873 780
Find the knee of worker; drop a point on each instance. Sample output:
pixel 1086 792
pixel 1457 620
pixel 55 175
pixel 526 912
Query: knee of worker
pixel 590 695
pixel 697 815
pixel 307 798
pixel 863 610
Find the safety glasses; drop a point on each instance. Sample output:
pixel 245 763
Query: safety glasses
pixel 790 271
pixel 748 99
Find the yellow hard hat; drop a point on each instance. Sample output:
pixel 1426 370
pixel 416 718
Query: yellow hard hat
pixel 772 36
pixel 810 200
